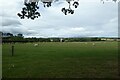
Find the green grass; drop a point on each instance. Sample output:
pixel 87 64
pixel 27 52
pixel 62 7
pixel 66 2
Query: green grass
pixel 61 60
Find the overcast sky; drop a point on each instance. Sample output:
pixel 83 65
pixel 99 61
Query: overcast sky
pixel 91 19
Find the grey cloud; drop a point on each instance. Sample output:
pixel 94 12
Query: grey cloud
pixel 19 29
pixel 10 22
pixel 94 19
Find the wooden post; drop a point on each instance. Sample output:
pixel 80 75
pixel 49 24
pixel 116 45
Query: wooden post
pixel 12 50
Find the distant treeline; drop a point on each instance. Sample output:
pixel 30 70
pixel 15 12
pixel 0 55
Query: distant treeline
pixel 24 40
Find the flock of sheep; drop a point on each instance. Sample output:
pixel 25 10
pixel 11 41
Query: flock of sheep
pixel 36 44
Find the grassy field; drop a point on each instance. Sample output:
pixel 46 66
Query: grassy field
pixel 61 60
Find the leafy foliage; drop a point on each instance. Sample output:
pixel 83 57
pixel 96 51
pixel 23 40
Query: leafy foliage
pixel 30 9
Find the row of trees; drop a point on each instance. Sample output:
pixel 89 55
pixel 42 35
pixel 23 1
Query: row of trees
pixel 8 37
pixel 24 40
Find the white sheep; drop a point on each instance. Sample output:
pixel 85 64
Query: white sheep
pixel 85 42
pixel 35 45
pixel 93 44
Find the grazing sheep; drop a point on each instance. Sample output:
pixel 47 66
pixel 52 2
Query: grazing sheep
pixel 93 44
pixel 35 45
pixel 85 42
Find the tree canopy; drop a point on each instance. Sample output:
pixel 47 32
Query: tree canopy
pixel 31 7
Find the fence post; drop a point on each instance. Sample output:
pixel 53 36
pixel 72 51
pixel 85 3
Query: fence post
pixel 12 50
